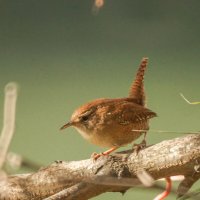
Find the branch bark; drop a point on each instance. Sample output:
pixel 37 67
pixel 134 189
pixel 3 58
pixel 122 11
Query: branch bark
pixel 85 179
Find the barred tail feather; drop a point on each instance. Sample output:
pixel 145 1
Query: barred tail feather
pixel 137 88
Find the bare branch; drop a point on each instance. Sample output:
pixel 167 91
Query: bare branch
pixel 80 191
pixel 179 156
pixel 9 120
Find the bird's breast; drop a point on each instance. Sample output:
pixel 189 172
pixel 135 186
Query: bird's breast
pixel 110 136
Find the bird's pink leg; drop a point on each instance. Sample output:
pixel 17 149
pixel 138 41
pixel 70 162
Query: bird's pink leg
pixel 95 156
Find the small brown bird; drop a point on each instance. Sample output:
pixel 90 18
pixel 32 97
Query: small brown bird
pixel 114 122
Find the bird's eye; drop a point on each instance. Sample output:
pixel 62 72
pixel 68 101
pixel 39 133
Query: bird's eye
pixel 86 115
pixel 85 118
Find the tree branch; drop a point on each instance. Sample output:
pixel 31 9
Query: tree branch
pixel 9 120
pixel 179 156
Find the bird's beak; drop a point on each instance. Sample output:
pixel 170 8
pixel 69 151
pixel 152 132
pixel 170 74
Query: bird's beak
pixel 66 125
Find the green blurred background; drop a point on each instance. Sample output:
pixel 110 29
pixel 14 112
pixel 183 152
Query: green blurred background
pixel 62 55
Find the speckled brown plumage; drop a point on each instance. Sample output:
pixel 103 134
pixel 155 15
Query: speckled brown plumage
pixel 115 122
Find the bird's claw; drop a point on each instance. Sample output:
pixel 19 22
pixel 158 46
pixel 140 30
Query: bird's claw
pixel 95 155
pixel 138 147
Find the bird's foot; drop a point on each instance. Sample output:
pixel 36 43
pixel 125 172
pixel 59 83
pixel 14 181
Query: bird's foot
pixel 138 147
pixel 95 156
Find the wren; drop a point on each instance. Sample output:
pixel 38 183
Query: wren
pixel 114 122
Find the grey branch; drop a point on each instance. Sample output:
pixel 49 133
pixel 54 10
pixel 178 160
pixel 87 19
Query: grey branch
pixel 9 120
pixel 85 179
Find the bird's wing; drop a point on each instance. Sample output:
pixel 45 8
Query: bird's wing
pixel 133 113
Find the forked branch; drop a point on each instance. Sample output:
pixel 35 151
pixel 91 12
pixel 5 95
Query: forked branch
pixel 118 172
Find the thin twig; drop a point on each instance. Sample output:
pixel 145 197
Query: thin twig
pixel 191 103
pixel 9 120
pixel 166 131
